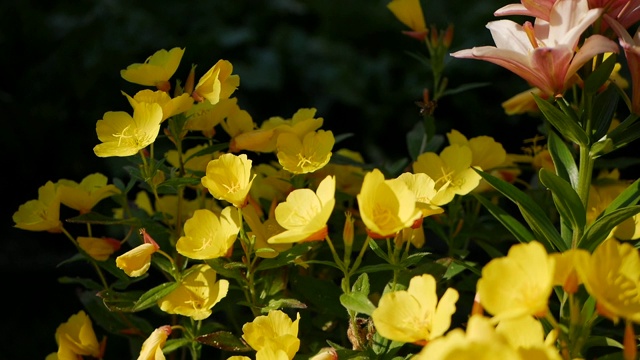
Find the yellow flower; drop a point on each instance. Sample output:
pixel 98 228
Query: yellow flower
pixel 98 248
pixel 409 12
pixel 565 273
pixel 519 283
pixel 177 208
pixel 156 70
pixel 526 335
pixel 274 331
pixel 348 177
pixel 123 135
pixel 271 183
pixel 262 232
pixel 265 138
pixel 479 342
pixel 604 189
pixel 486 153
pixel 386 206
pixel 304 214
pixel 217 83
pixel 612 276
pixel 428 199
pixel 229 178
pixel 197 294
pixel 170 106
pixel 306 155
pixel 207 236
pixel 237 121
pixel 415 315
pixel 76 338
pixel 137 261
pixel 152 346
pixel 205 116
pixel 85 195
pixel 42 214
pixel 523 103
pixel 451 170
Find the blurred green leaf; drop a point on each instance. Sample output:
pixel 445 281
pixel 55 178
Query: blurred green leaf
pixel 566 199
pixel 563 160
pixel 597 232
pixel 564 123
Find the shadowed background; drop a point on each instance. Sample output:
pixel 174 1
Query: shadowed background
pixel 60 73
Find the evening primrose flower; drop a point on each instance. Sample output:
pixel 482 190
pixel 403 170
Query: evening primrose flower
pixel 271 183
pixel 348 176
pixel 526 335
pixel 208 236
pixel 480 341
pixel 451 169
pixel 273 331
pixel 415 315
pixel 85 195
pixel 612 276
pixel 566 274
pixel 518 284
pixel 137 261
pixel 307 154
pixel 217 83
pixel 261 231
pixel 544 53
pixel 305 213
pixel 229 178
pixel 428 199
pixel 198 292
pixel 386 206
pixel 156 70
pixel 42 214
pixel 486 153
pixel 409 12
pixel 192 164
pixel 124 135
pixel 98 248
pixel 170 106
pixel 76 338
pixel 265 138
pixel 152 346
pixel 205 116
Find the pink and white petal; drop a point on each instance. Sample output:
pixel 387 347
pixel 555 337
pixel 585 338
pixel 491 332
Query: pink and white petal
pixel 509 35
pixel 552 63
pixel 513 9
pixel 568 20
pixel 593 45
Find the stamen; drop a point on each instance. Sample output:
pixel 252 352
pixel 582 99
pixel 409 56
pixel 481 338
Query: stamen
pixel 528 29
pixel 122 135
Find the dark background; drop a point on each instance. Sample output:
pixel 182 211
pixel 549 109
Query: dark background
pixel 60 73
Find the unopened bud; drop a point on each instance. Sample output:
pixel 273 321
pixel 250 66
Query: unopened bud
pixel 630 348
pixel 447 39
pixel 347 232
pixel 189 85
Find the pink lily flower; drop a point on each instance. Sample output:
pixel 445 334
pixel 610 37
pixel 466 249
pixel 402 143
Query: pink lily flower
pixel 627 12
pixel 544 54
pixel 631 47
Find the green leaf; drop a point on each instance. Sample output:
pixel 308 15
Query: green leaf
pixel 175 183
pixel 378 268
pixel 542 227
pixel 174 344
pixel 224 340
pixel 283 303
pixel 285 257
pixel 151 297
pixel 357 302
pixel 209 150
pixel 600 75
pixel 566 199
pixel 601 228
pixel 630 196
pixel 624 135
pixel 563 159
pixel 604 109
pixel 373 244
pixel 514 226
pixel 413 259
pixel 564 123
pixel 362 285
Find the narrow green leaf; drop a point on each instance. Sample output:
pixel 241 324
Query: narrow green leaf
pixel 604 109
pixel 562 122
pixel 151 297
pixel 373 244
pixel 600 229
pixel 174 344
pixel 357 302
pixel 563 159
pixel 630 196
pixel 542 227
pixel 566 199
pixel 521 233
pixel 209 150
pixel 600 75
